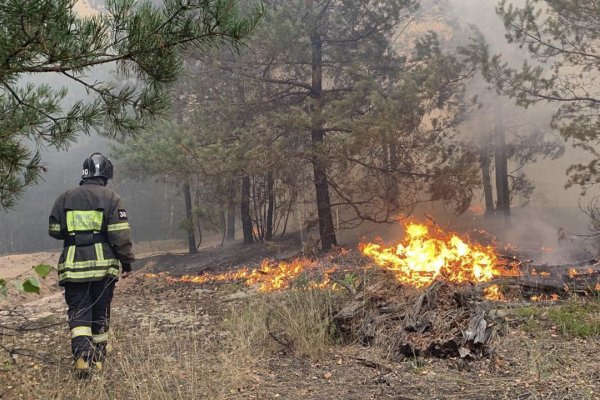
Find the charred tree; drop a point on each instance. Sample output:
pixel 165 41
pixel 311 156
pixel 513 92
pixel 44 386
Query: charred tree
pixel 326 227
pixel 189 214
pixel 245 211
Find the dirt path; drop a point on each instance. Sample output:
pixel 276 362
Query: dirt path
pixel 14 265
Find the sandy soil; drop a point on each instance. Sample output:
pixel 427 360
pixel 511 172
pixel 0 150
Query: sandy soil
pixel 14 265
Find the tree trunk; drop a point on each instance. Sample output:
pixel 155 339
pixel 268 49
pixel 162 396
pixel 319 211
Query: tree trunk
pixel 245 211
pixel 326 227
pixel 270 206
pixel 187 194
pixel 198 218
pixel 392 167
pixel 501 161
pixel 484 162
pixel 223 218
pixel 230 237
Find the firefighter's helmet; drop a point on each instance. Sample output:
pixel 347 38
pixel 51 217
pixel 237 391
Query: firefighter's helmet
pixel 97 165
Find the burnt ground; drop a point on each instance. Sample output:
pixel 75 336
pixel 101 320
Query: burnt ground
pixel 532 357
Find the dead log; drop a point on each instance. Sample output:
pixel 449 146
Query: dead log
pixel 415 320
pixel 576 278
pixel 582 278
pixel 476 331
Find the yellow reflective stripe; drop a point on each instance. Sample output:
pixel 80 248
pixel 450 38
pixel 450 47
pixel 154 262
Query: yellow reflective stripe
pixel 100 338
pixel 97 273
pixel 117 227
pixel 55 227
pixel 81 331
pixel 92 263
pixel 70 255
pixel 84 220
pixel 99 252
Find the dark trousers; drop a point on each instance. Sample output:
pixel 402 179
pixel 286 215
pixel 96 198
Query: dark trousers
pixel 89 316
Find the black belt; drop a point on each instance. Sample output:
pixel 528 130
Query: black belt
pixel 85 239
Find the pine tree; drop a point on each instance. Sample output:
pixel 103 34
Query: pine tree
pixel 363 105
pixel 562 38
pixel 143 41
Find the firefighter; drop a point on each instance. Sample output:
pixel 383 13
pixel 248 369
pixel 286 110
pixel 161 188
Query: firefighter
pixel 92 222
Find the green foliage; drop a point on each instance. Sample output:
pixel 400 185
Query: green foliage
pixel 351 279
pixel 29 285
pixel 142 40
pixel 578 318
pixel 386 113
pixel 42 270
pixel 562 39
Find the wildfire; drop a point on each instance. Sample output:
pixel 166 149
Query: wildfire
pixel 268 277
pixel 424 255
pixel 493 293
pixel 427 253
pixel 572 273
pixel 544 297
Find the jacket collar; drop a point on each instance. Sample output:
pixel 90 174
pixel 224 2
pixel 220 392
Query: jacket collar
pixel 93 181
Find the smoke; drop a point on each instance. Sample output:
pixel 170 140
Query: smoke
pixel 551 219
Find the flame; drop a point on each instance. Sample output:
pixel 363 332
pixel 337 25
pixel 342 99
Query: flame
pixel 268 277
pixel 427 253
pixel 493 293
pixel 477 210
pixel 544 274
pixel 544 297
pixel 424 255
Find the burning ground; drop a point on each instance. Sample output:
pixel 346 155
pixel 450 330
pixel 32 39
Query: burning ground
pixel 379 322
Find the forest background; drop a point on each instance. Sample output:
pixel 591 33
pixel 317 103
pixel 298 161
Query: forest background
pixel 311 124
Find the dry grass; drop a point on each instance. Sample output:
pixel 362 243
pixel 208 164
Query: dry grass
pixel 297 319
pixel 239 355
pixel 191 363
pixel 179 364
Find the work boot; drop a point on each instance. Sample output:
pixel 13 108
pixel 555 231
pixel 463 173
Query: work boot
pixel 99 355
pixel 98 366
pixel 82 368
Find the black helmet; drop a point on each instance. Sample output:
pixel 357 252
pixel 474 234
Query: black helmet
pixel 97 165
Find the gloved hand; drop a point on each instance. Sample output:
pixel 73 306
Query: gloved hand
pixel 126 271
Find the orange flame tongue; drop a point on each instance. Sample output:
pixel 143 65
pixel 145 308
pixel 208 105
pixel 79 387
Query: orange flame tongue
pixel 268 277
pixel 427 253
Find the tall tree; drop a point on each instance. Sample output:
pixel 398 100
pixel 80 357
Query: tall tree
pixel 159 153
pixel 344 86
pixel 508 139
pixel 501 162
pixel 137 38
pixel 353 121
pixel 563 41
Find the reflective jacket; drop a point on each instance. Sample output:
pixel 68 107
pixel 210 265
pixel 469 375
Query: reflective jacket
pixel 92 221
